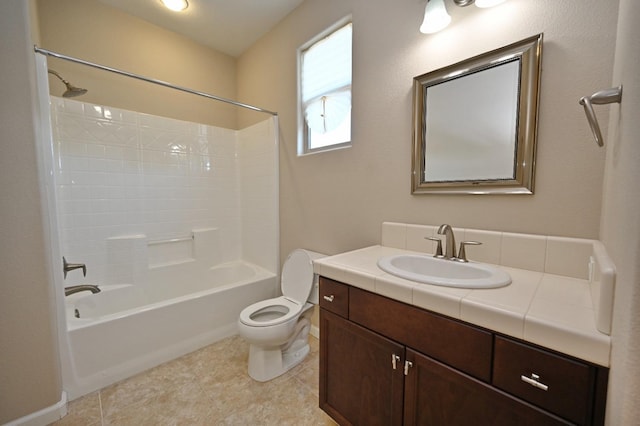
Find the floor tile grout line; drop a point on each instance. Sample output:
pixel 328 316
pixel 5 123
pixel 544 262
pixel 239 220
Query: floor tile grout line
pixel 100 405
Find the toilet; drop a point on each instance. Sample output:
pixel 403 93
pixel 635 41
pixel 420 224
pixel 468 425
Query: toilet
pixel 277 329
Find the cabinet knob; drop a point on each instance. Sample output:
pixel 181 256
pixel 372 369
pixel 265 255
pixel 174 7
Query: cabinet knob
pixel 534 381
pixel 328 298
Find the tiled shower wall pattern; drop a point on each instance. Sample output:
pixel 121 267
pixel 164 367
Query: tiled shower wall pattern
pixel 124 179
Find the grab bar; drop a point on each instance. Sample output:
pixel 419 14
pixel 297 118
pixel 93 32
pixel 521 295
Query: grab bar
pixel 607 96
pixel 170 240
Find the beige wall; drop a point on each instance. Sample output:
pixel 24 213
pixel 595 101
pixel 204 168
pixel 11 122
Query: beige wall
pixel 335 201
pixel 92 31
pixel 621 221
pixel 29 365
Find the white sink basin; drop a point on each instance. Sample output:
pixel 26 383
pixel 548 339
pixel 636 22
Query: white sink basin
pixel 430 270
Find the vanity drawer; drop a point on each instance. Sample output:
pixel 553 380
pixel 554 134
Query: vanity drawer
pixel 553 382
pixel 334 297
pixel 467 348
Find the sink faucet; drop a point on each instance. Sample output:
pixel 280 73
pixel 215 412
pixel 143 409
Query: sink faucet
pixel 83 287
pixel 450 249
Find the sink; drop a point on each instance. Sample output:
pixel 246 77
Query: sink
pixel 430 270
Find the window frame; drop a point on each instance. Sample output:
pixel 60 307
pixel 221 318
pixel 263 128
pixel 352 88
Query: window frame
pixel 303 128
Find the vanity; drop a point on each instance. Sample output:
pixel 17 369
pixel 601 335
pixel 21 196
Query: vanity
pixel 536 352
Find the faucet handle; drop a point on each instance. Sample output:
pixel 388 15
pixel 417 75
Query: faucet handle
pixel 462 254
pixel 66 267
pixel 439 248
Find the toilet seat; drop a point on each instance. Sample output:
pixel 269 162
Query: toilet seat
pixel 291 307
pixel 296 284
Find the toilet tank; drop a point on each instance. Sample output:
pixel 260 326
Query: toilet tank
pixel 315 290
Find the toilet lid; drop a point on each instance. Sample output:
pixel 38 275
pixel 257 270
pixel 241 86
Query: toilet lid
pixel 297 276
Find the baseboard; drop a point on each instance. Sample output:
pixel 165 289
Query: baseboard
pixel 315 332
pixel 45 416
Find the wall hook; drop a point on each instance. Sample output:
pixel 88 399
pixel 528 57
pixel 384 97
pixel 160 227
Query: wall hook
pixel 607 96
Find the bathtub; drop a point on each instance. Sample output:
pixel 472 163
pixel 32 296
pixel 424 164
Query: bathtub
pixel 126 328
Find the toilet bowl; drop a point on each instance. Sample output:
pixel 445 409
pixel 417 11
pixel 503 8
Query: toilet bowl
pixel 277 329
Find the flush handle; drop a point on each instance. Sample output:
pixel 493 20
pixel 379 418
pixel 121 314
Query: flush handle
pixel 329 298
pixel 534 381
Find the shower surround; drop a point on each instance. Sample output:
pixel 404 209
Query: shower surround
pixel 177 222
pixel 122 175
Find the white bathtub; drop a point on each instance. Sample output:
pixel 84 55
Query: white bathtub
pixel 126 329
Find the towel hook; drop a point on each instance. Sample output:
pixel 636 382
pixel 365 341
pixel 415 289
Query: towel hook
pixel 607 96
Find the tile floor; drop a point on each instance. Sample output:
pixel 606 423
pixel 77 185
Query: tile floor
pixel 206 387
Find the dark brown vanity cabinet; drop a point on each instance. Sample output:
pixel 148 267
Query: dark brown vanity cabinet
pixel 383 362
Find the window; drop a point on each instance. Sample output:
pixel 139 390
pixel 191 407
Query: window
pixel 325 91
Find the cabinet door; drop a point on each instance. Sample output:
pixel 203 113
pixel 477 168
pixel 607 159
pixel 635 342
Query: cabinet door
pixel 436 394
pixel 462 346
pixel 358 384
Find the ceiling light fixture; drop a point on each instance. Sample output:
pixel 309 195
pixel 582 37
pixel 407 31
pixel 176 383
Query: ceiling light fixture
pixel 176 5
pixel 436 17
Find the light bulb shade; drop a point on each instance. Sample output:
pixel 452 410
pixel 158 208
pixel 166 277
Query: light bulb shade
pixel 488 3
pixel 436 17
pixel 176 5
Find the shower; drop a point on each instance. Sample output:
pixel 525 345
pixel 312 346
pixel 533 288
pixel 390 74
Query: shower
pixel 170 239
pixel 72 91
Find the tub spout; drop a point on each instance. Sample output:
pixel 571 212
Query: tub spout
pixel 83 287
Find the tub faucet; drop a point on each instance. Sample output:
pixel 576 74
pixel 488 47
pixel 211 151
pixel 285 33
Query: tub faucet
pixel 78 288
pixel 450 249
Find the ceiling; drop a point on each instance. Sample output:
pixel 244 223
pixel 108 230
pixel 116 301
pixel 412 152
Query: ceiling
pixel 229 26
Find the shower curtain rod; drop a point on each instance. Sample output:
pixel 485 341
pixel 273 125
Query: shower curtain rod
pixel 147 79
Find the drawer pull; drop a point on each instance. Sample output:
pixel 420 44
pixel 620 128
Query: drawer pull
pixel 407 366
pixel 328 298
pixel 394 360
pixel 534 381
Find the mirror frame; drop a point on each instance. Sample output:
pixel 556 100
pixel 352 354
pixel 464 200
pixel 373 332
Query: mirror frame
pixel 529 54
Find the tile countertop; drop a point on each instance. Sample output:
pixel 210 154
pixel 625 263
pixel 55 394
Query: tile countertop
pixel 549 310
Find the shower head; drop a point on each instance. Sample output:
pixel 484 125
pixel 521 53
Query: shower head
pixel 72 90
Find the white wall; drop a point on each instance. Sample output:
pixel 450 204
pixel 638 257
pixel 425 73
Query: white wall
pixel 620 229
pixel 336 201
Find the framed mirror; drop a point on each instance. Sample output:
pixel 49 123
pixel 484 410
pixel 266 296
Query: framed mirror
pixel 474 123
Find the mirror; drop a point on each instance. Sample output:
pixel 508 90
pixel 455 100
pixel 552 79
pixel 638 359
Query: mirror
pixel 475 123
